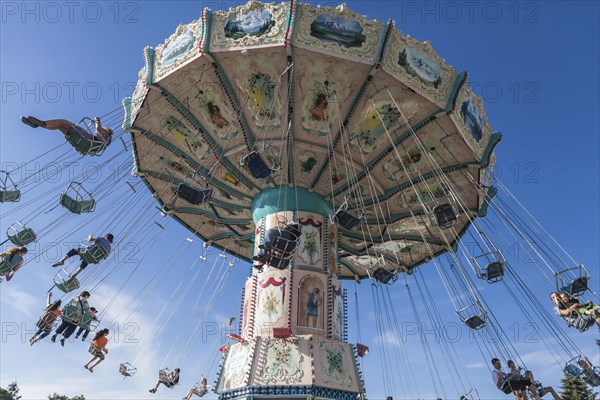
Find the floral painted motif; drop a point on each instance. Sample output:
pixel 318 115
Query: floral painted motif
pixel 283 362
pixel 271 304
pixel 334 363
pixel 377 119
pixel 237 361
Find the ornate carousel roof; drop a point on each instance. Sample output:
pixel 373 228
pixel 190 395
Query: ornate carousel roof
pixel 345 107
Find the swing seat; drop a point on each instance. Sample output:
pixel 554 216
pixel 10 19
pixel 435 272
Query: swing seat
pixel 361 350
pixel 93 254
pixel 71 314
pixel 76 199
pixel 474 316
pixel 445 216
pixel 84 145
pixel 574 287
pixel 580 323
pixel 577 287
pixel 8 264
pixel 8 190
pixel 475 322
pixel 77 206
pixel 22 236
pixel 127 369
pixel 87 321
pixel 384 276
pixel 10 196
pixel 494 272
pixel 193 196
pixel 348 221
pixel 257 166
pixel 280 246
pixel 573 370
pixel 65 282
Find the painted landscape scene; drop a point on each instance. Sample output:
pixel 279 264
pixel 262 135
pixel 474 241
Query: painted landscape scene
pixel 337 29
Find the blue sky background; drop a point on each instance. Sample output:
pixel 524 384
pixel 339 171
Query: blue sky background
pixel 535 64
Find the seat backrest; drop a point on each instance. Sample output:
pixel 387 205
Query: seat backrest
pixel 347 220
pixel 85 320
pixel 23 238
pixel 444 215
pixel 7 264
pixel 192 195
pixel 572 370
pixel 257 166
pixel 94 254
pixel 68 285
pixel 71 313
pixel 383 275
pixel 84 145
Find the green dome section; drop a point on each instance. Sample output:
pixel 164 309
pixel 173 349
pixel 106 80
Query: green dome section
pixel 274 200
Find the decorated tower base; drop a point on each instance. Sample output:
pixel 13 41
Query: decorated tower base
pixel 294 319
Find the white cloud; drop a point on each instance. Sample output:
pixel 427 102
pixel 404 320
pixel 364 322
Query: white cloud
pixel 21 301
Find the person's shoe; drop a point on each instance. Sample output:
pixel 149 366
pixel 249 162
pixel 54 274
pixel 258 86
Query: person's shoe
pixel 82 339
pixel 9 277
pixel 53 339
pixel 58 263
pixel 32 341
pixel 152 390
pixel 33 122
pixel 62 342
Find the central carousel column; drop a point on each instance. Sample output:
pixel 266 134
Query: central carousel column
pixel 292 341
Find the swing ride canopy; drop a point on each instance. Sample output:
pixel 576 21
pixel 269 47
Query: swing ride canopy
pixel 343 106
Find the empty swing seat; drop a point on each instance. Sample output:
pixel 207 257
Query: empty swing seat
pixel 8 190
pixel 256 165
pixel 193 196
pixel 494 271
pixel 20 235
pixel 76 199
pixel 445 216
pixel 77 206
pixel 572 370
pixel 65 282
pixel 8 264
pixel 384 276
pixel 348 221
pixel 475 322
pixel 127 369
pixel 10 196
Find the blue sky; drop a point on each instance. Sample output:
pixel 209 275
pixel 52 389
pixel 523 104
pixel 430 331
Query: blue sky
pixel 535 64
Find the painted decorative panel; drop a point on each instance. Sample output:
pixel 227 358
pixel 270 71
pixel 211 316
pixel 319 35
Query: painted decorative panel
pixel 419 67
pixel 179 48
pixel 237 366
pixel 339 31
pixel 251 25
pixel 312 301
